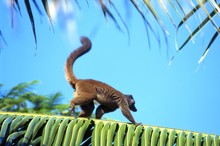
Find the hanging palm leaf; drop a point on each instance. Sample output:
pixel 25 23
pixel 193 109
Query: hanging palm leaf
pixel 30 129
pixel 108 9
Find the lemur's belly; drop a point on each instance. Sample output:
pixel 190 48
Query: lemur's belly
pixel 107 101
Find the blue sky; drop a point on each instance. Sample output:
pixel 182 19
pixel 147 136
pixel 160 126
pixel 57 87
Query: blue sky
pixel 183 95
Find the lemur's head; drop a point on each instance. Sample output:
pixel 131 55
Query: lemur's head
pixel 131 102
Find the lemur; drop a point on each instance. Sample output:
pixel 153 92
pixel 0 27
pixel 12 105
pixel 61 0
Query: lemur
pixel 88 90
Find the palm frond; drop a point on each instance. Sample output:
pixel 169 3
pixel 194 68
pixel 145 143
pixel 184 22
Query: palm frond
pixel 167 12
pixel 38 8
pixel 2 39
pixel 46 8
pixel 154 13
pixel 21 98
pixel 112 12
pixel 107 12
pixel 18 5
pixel 207 19
pixel 207 49
pixel 33 129
pixel 20 89
pixel 147 24
pixel 199 28
pixel 215 6
pixel 209 16
pixel 31 17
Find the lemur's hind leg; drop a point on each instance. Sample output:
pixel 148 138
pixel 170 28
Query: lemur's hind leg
pixel 81 98
pixel 87 110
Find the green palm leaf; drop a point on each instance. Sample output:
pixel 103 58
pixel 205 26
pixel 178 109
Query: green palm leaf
pixel 60 130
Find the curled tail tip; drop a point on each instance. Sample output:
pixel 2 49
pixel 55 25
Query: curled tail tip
pixel 82 38
pixel 85 40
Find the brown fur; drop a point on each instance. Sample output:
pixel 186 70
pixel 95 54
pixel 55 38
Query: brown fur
pixel 88 90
